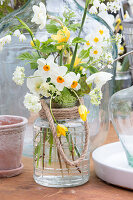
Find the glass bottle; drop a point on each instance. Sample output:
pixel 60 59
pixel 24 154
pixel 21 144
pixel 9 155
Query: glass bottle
pixel 121 113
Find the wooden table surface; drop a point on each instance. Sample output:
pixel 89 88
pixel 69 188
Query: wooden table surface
pixel 23 187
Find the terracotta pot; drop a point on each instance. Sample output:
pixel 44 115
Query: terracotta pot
pixel 12 130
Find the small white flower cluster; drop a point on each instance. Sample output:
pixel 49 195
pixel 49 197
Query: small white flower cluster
pixel 96 96
pixel 32 103
pixel 18 34
pixel 113 6
pixel 99 79
pixel 97 5
pixel 18 75
pixel 39 15
pixel 101 7
pixel 4 40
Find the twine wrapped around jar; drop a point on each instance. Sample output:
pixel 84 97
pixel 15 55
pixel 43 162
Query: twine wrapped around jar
pixel 64 113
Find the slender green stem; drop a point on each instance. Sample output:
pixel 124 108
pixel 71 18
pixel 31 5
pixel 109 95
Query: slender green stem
pixel 55 19
pixel 50 154
pixel 76 96
pixel 52 111
pixel 61 57
pixel 43 151
pixel 76 46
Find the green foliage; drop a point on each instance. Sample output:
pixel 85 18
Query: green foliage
pixel 84 54
pixel 52 28
pixel 92 69
pixel 66 99
pixel 78 40
pixel 25 26
pixel 31 58
pixel 47 49
pixel 74 27
pixel 85 89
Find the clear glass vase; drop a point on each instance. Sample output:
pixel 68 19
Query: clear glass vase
pixel 121 112
pixel 49 167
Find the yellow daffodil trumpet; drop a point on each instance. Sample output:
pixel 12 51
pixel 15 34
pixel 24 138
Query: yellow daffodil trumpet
pixel 61 130
pixel 83 112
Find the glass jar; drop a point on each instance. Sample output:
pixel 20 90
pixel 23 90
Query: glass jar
pixel 121 113
pixel 49 167
pixel 122 80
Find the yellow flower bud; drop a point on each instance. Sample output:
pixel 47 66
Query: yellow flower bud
pixel 83 112
pixel 61 130
pixel 32 43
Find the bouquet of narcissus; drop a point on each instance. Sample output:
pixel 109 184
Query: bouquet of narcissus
pixel 64 68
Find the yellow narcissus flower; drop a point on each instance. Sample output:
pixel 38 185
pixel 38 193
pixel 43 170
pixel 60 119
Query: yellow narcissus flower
pixel 61 130
pixel 83 112
pixel 63 35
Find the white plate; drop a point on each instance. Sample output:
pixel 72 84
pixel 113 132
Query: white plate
pixel 111 165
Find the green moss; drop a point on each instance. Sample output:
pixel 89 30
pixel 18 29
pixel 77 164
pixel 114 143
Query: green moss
pixel 66 99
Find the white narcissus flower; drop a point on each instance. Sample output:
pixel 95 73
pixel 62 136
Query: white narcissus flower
pixel 34 83
pixel 18 75
pixel 58 78
pixel 72 81
pixel 47 66
pixel 96 52
pixel 99 78
pixel 39 15
pixel 22 38
pixel 32 103
pixel 17 33
pixel 104 32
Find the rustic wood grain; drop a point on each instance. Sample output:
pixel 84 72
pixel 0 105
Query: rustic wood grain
pixel 23 186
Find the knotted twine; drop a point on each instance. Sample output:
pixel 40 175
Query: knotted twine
pixel 64 113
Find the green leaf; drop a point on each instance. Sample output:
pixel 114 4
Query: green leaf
pixel 74 27
pixel 25 56
pixel 32 58
pixel 93 69
pixel 48 49
pixel 78 40
pixel 51 28
pixel 47 42
pixel 25 27
pixel 85 65
pixel 34 65
pixel 84 54
pixel 37 43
